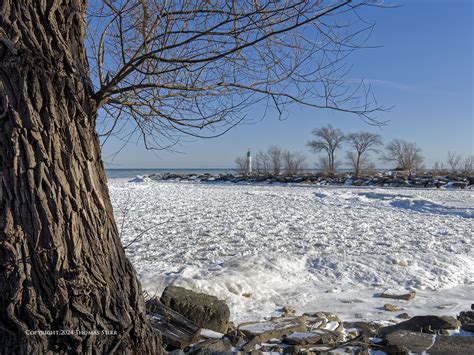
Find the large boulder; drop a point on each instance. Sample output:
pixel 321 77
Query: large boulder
pixel 205 310
pixel 422 343
pixel 424 324
pixel 452 345
pixel 410 341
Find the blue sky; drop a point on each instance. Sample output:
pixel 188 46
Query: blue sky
pixel 424 69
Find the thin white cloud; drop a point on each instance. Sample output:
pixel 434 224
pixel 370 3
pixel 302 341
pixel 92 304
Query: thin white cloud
pixel 391 84
pixel 406 87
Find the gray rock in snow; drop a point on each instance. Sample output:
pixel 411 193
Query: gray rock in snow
pixel 205 310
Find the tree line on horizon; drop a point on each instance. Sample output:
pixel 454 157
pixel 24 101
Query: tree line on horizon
pixel 328 141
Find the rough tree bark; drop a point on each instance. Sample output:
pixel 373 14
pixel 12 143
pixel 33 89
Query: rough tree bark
pixel 62 266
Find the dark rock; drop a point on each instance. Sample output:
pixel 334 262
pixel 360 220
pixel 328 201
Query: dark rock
pixel 274 348
pixel 392 350
pixel 236 337
pixel 403 316
pixel 411 341
pixel 467 316
pixel 467 321
pixel 306 350
pixel 294 349
pixel 458 184
pixel 176 330
pixel 236 340
pixel 468 327
pixel 205 310
pixel 319 336
pixel 302 338
pixel 424 324
pixel 212 346
pixel 452 345
pixel 430 344
pixel 329 337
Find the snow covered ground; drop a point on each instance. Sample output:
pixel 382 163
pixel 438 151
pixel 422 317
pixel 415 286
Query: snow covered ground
pixel 312 248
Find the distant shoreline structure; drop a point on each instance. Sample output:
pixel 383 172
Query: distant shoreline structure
pixel 132 172
pixel 380 179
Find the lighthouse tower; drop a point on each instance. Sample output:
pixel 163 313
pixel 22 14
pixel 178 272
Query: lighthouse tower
pixel 249 163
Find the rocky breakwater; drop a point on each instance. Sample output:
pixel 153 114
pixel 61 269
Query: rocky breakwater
pixel 196 323
pixel 381 179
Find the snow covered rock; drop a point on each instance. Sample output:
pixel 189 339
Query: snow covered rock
pixel 260 332
pixel 324 320
pixel 140 178
pixel 205 310
pixel 274 328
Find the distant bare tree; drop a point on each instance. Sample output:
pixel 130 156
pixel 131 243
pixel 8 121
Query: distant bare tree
pixel 468 166
pixel 262 163
pixel 275 155
pixel 241 165
pixel 322 164
pixel 406 155
pixel 439 168
pixel 362 143
pixel 299 162
pixel 453 160
pixel 329 139
pixel 294 162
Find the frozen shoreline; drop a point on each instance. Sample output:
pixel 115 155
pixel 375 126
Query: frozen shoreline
pixel 312 248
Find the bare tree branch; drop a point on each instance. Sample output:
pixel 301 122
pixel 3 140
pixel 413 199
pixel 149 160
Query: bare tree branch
pixel 166 69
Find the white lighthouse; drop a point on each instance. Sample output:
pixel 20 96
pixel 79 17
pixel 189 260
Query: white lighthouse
pixel 249 163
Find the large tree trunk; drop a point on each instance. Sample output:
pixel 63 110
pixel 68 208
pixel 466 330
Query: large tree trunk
pixel 62 266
